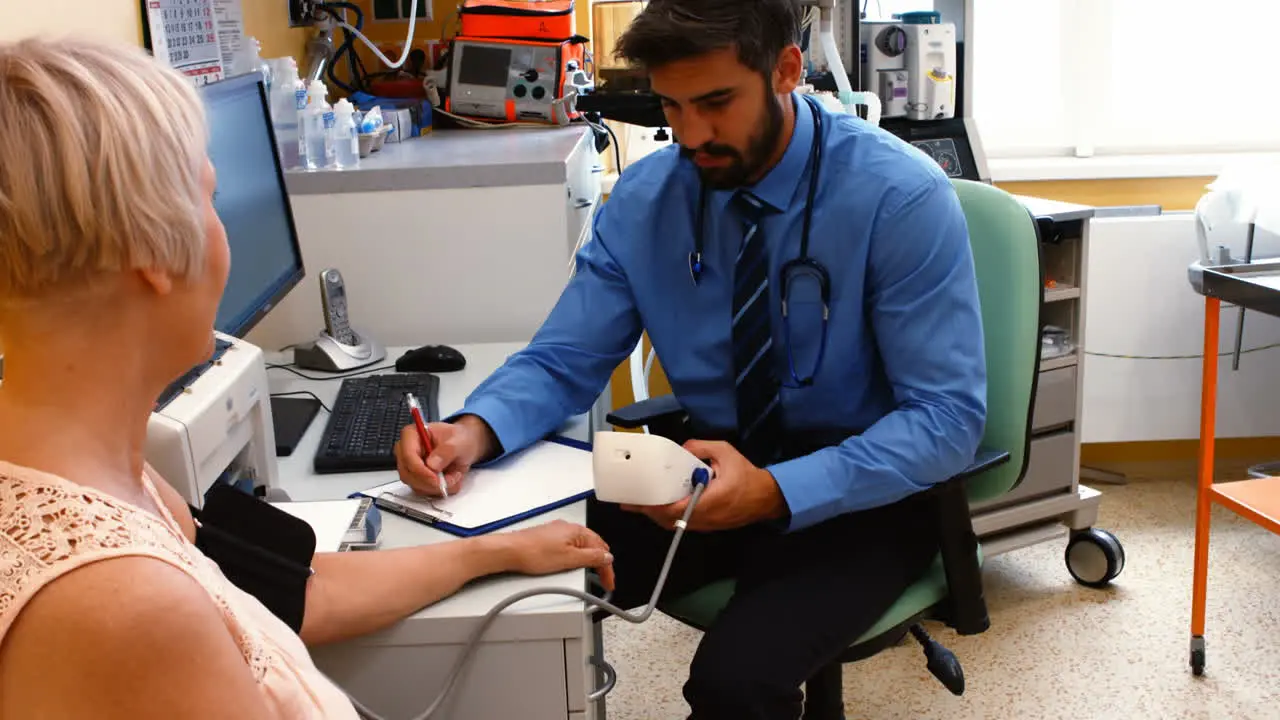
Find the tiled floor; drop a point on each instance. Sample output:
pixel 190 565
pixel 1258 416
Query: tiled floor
pixel 1056 649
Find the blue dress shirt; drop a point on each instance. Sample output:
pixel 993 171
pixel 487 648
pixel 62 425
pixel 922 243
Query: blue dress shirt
pixel 904 361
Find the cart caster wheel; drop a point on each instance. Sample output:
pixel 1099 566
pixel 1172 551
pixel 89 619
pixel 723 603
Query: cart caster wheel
pixel 1094 557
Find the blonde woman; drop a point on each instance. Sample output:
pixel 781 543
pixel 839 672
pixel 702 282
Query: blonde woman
pixel 112 263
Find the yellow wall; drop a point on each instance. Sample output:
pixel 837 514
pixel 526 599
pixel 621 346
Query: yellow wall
pixel 268 21
pixel 121 20
pixel 1170 193
pixel 103 19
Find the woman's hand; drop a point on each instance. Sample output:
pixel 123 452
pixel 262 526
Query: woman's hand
pixel 558 546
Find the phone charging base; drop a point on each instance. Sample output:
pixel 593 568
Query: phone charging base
pixel 328 355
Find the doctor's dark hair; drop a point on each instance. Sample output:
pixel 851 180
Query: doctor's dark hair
pixel 667 31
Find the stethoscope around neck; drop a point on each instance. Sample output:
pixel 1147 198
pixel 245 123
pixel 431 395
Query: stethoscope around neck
pixel 802 265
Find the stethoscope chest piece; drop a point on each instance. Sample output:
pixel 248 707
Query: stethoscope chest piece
pixel 695 266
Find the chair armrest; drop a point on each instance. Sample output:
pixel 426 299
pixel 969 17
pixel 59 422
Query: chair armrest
pixel 646 412
pixel 967 606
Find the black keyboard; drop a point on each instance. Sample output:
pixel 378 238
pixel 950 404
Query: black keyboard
pixel 367 418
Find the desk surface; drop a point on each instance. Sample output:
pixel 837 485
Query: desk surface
pixel 451 620
pixel 452 159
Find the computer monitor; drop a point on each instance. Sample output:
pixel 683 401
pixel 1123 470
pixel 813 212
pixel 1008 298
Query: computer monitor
pixel 252 202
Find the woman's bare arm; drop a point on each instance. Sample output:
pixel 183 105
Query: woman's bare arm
pixel 355 593
pixel 129 637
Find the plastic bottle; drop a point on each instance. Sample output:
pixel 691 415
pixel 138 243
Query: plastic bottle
pixel 346 138
pixel 300 112
pixel 284 110
pixel 251 61
pixel 318 120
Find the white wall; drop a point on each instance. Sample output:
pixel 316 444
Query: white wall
pixel 1139 302
pixel 102 19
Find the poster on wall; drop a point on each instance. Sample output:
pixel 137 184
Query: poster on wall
pixel 228 21
pixel 184 34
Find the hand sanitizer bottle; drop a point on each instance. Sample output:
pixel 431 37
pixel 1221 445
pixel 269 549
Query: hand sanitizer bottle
pixel 346 141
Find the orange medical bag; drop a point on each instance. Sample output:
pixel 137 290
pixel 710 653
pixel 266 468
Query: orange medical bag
pixel 530 20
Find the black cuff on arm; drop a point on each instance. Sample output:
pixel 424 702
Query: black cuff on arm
pixel 262 550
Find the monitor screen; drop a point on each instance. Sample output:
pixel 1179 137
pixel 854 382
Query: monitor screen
pixel 252 202
pixel 484 65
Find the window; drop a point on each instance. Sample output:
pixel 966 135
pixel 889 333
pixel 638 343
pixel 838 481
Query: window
pixel 1124 77
pixel 1186 78
pixel 399 9
pixel 1094 78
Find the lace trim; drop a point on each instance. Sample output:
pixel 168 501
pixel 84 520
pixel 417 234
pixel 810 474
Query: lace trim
pixel 50 526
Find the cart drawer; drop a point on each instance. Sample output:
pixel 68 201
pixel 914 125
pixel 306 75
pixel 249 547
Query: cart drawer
pixel 1050 470
pixel 1055 398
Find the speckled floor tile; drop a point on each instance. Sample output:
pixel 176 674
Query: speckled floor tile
pixel 1056 649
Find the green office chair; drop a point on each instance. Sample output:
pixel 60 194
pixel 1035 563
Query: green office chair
pixel 1006 250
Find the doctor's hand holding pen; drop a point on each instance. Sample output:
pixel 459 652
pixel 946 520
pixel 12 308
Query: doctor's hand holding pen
pixel 434 459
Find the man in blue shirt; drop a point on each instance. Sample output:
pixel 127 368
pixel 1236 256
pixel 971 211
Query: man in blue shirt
pixel 822 427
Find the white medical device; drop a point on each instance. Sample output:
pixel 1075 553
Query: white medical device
pixel 931 71
pixel 642 469
pixel 216 423
pixel 911 67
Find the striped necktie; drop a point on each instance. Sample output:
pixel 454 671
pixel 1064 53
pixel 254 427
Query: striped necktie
pixel 759 413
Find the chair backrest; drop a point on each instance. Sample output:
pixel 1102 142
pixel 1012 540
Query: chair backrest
pixel 1006 255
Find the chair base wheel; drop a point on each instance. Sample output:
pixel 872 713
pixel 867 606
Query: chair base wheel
pixel 941 662
pixel 1094 557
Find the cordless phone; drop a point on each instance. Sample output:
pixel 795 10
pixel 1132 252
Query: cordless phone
pixel 333 296
pixel 338 347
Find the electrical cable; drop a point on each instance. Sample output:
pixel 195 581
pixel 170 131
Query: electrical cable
pixel 617 154
pixel 1197 356
pixel 307 393
pixel 348 44
pixel 700 480
pixel 335 376
pixel 408 44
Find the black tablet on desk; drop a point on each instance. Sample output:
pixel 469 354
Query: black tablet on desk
pixel 291 416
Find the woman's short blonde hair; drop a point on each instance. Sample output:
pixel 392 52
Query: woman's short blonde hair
pixel 102 154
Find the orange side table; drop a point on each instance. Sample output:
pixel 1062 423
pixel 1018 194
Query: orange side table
pixel 1252 286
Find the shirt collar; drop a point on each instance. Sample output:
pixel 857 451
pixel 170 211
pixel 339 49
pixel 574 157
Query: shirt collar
pixel 778 186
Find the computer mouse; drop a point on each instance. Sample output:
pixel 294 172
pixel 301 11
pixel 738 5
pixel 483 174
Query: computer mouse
pixel 431 359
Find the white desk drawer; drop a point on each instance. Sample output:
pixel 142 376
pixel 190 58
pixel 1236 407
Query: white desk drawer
pixel 1050 470
pixel 1055 398
pixel 398 681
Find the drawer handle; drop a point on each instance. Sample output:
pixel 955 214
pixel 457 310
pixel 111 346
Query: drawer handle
pixel 597 169
pixel 582 203
pixel 611 679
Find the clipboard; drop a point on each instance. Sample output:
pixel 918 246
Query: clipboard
pixel 548 475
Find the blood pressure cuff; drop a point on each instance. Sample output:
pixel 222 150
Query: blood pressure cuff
pixel 261 549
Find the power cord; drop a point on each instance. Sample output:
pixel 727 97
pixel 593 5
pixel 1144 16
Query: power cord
pixel 408 43
pixel 305 393
pixel 1197 356
pixel 700 479
pixel 335 376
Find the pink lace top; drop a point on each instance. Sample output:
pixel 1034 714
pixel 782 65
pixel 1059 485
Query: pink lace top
pixel 50 526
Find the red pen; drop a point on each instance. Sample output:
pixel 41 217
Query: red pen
pixel 425 435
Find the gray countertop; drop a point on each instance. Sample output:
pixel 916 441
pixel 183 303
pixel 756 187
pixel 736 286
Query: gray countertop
pixel 452 159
